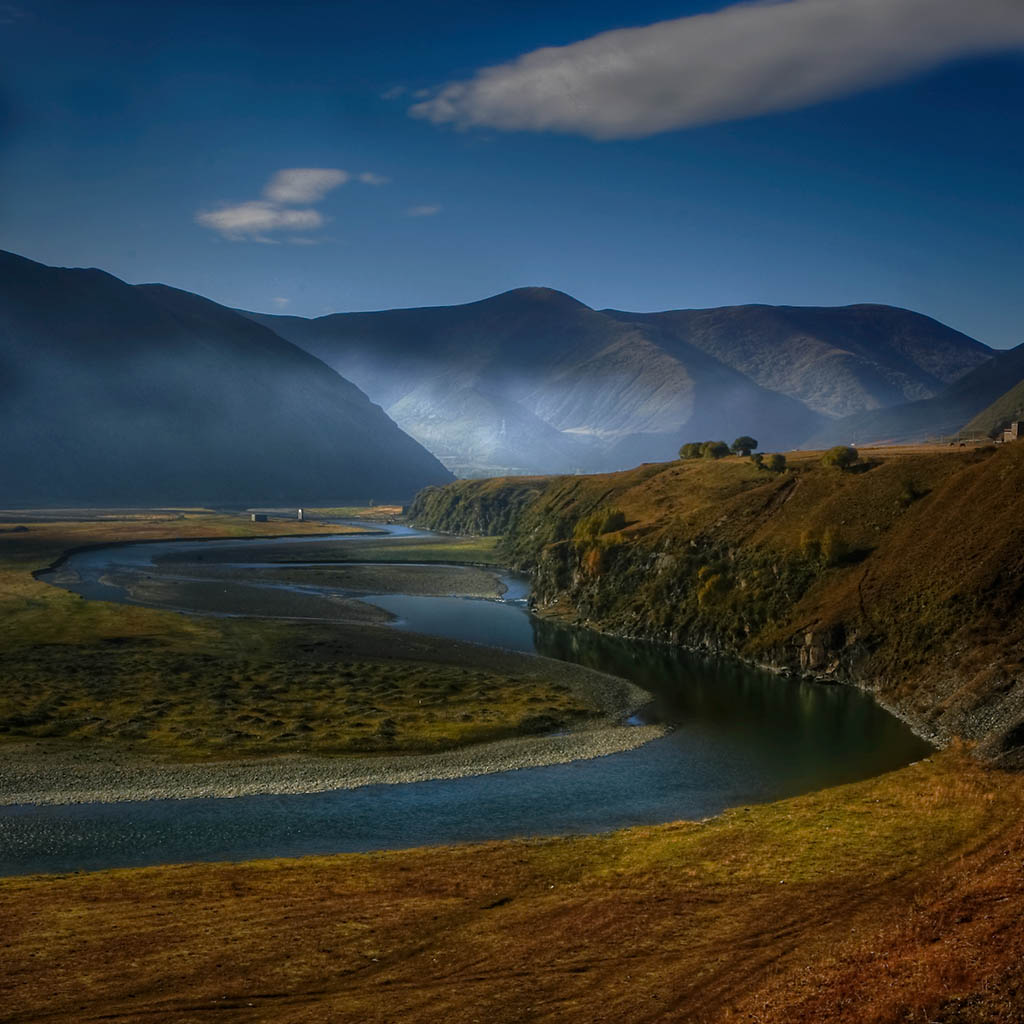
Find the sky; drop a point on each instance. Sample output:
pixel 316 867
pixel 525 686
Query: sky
pixel 314 157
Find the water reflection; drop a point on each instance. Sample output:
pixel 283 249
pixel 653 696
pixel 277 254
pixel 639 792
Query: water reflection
pixel 738 735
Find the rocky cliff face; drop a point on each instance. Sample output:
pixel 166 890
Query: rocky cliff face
pixel 904 578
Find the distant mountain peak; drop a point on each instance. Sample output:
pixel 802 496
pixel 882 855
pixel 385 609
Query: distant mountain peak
pixel 539 293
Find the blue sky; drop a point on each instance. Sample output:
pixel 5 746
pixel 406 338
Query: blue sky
pixel 778 156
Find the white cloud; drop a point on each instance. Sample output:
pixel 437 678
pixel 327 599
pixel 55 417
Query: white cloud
pixel 393 93
pixel 427 210
pixel 280 302
pixel 742 61
pixel 255 220
pixel 304 184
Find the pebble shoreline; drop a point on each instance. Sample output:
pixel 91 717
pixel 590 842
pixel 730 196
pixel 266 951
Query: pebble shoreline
pixel 30 774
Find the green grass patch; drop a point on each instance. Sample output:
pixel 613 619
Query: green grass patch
pixel 278 696
pixel 87 671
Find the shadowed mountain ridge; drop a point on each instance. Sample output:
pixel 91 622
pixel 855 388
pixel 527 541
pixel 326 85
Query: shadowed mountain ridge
pixel 126 394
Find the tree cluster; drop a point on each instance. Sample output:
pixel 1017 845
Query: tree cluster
pixel 717 449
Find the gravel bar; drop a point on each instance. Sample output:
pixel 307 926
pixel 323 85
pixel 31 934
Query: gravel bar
pixel 37 773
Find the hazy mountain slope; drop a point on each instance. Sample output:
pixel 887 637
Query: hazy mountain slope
pixel 943 415
pixel 120 394
pixel 609 391
pixel 1005 409
pixel 837 360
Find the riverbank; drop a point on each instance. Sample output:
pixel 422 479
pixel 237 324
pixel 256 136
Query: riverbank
pixel 901 575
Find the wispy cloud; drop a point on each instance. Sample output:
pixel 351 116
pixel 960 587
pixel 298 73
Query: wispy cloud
pixel 280 302
pixel 256 220
pixel 304 184
pixel 426 210
pixel 284 207
pixel 743 61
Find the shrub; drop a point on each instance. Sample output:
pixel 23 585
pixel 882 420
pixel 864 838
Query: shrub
pixel 909 493
pixel 690 450
pixel 841 457
pixel 602 521
pixel 615 519
pixel 758 460
pixel 775 463
pixel 834 549
pixel 810 546
pixel 710 588
pixel 743 445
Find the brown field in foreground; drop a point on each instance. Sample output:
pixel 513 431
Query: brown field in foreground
pixel 898 899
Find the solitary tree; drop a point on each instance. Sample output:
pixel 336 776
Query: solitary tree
pixel 841 457
pixel 743 445
pixel 775 463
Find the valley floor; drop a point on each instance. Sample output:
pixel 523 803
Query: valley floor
pixel 106 702
pixel 899 899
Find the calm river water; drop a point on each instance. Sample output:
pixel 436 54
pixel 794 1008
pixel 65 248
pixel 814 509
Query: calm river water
pixel 739 736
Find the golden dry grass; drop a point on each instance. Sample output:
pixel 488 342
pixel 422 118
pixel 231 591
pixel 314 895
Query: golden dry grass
pixel 899 899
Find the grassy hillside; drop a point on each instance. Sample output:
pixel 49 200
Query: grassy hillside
pixel 903 575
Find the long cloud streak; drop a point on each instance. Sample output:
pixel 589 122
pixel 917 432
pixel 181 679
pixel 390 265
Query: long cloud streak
pixel 743 61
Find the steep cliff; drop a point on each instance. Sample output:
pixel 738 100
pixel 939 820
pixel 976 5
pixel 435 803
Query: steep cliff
pixel 904 576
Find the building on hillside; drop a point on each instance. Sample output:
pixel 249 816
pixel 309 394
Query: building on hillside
pixel 1014 432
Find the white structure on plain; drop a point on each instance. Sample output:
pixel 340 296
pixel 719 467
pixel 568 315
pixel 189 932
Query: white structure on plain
pixel 299 515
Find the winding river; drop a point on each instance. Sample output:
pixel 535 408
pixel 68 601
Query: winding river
pixel 737 736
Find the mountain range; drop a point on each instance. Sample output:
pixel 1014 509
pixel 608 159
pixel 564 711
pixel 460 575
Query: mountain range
pixel 144 394
pixel 119 394
pixel 534 381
